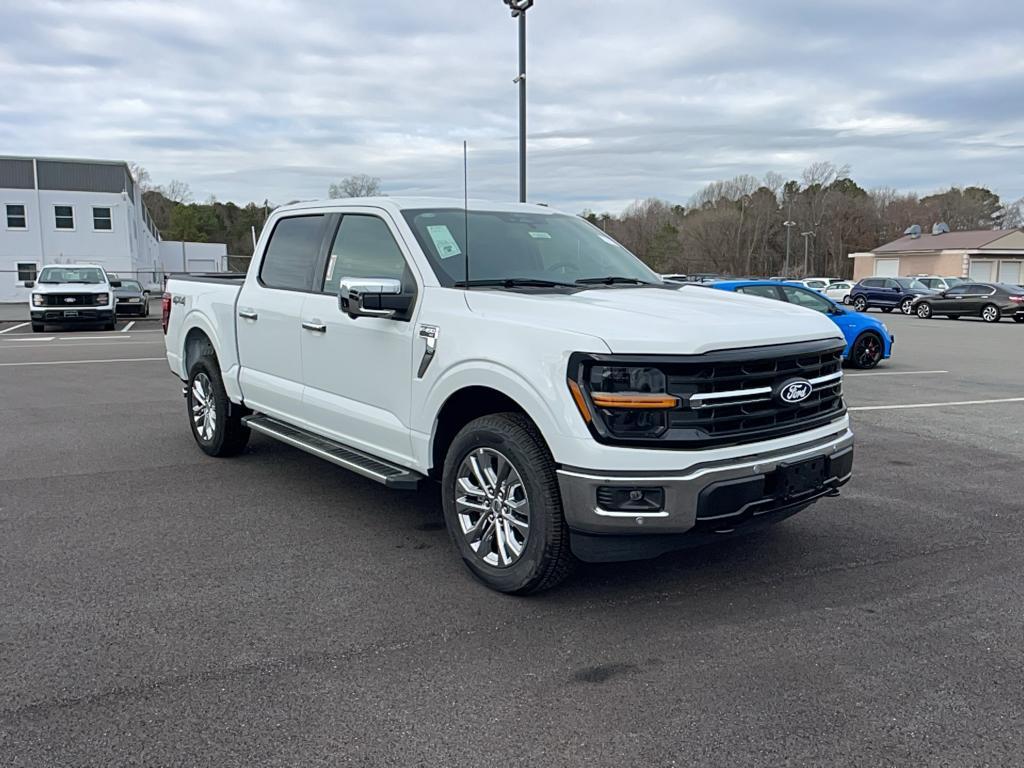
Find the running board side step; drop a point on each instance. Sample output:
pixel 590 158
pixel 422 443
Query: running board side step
pixel 391 475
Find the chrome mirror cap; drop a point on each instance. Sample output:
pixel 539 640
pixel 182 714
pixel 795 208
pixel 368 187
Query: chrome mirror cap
pixel 354 291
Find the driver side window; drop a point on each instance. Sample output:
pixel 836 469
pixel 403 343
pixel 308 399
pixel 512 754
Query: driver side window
pixel 364 247
pixel 806 298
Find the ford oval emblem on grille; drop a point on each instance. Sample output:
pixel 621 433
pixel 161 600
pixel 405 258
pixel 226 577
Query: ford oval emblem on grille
pixel 69 299
pixel 793 391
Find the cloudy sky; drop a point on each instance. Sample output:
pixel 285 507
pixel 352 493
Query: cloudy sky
pixel 628 98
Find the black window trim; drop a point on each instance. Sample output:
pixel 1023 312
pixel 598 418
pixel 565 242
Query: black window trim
pixel 779 296
pixel 23 216
pixel 318 265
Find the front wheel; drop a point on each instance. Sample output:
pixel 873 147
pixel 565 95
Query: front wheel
pixel 924 310
pixel 990 313
pixel 37 327
pixel 907 306
pixel 860 304
pixel 502 505
pixel 866 351
pixel 216 424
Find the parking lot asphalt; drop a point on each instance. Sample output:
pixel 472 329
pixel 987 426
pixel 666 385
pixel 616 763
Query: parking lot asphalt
pixel 159 607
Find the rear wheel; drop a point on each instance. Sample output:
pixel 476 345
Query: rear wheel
pixel 216 423
pixel 990 313
pixel 860 304
pixel 906 306
pixel 502 505
pixel 866 351
pixel 846 299
pixel 924 310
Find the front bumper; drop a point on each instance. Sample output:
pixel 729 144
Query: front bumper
pixel 61 316
pixel 705 499
pixel 126 308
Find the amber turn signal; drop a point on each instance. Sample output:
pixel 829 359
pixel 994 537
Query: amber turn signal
pixel 581 402
pixel 634 400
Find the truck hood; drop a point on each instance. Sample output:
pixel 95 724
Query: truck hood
pixel 687 321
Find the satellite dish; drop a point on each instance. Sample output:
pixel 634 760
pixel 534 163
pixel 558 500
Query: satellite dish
pixel 914 230
pixel 940 228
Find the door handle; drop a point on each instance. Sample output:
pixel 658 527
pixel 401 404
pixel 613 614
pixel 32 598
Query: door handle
pixel 248 314
pixel 315 326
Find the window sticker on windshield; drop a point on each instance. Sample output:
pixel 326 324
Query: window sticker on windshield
pixel 540 235
pixel 443 241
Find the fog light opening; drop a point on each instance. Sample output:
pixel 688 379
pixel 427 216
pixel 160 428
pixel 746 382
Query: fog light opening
pixel 624 498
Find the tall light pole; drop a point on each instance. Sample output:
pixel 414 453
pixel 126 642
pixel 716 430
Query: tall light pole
pixel 788 225
pixel 519 9
pixel 806 236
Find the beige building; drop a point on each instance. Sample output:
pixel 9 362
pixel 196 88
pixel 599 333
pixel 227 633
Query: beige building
pixel 986 255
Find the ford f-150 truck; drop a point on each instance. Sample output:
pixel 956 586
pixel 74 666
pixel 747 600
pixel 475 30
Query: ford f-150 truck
pixel 71 294
pixel 571 404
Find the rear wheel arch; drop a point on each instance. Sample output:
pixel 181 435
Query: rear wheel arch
pixel 197 345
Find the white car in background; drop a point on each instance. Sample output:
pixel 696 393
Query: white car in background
pixel 816 283
pixel 840 291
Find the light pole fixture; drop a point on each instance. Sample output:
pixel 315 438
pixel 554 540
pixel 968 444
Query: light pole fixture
pixel 807 238
pixel 788 225
pixel 519 9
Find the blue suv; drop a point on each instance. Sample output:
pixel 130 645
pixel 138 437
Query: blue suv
pixel 868 341
pixel 888 293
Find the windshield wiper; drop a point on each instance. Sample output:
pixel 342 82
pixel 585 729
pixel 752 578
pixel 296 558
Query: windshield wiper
pixel 611 280
pixel 514 282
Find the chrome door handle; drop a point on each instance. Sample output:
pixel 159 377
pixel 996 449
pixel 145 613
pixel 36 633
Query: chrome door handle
pixel 248 314
pixel 314 326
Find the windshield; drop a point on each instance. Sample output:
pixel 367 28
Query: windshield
pixel 89 275
pixel 539 247
pixel 913 284
pixel 131 285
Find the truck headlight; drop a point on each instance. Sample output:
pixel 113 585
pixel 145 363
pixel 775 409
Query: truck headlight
pixel 102 298
pixel 630 401
pixel 37 300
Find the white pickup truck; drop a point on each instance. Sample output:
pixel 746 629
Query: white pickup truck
pixel 72 294
pixel 571 403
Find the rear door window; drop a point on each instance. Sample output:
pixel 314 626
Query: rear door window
pixel 293 252
pixel 764 291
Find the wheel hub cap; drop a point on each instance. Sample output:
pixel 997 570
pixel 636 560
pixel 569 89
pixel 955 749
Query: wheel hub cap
pixel 204 409
pixel 492 507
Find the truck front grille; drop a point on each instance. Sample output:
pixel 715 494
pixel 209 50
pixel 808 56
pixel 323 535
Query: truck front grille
pixel 69 300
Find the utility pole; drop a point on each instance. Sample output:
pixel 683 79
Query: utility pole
pixel 788 224
pixel 806 236
pixel 519 9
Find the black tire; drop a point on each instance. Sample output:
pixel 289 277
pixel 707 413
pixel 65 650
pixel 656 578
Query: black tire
pixel 228 436
pixel 860 304
pixel 906 306
pixel 846 299
pixel 111 325
pixel 990 313
pixel 866 350
pixel 924 310
pixel 38 327
pixel 145 307
pixel 546 558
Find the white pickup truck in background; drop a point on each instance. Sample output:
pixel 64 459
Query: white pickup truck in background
pixel 570 402
pixel 72 294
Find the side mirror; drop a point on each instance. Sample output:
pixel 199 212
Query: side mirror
pixel 362 296
pixel 146 294
pixel 115 283
pixel 30 283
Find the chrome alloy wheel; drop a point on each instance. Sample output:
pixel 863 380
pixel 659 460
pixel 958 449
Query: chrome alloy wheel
pixel 990 314
pixel 204 407
pixel 492 507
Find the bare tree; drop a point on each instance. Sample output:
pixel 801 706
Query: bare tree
pixel 141 176
pixel 177 192
pixel 359 185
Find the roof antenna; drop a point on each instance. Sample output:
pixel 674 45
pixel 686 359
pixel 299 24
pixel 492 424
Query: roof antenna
pixel 465 206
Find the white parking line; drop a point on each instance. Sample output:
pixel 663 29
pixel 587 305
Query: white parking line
pixel 32 338
pixel 76 345
pixel 84 362
pixel 892 373
pixel 90 337
pixel 14 327
pixel 128 327
pixel 936 405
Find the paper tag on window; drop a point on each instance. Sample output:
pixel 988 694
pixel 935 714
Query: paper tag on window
pixel 540 235
pixel 443 241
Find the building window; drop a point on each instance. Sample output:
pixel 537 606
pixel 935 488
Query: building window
pixel 101 219
pixel 26 270
pixel 64 217
pixel 16 216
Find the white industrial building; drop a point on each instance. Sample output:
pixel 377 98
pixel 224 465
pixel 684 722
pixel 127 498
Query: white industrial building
pixel 59 210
